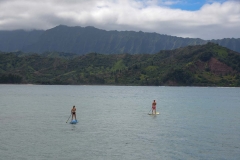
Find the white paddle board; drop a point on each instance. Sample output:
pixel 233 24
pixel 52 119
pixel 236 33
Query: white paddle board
pixel 154 113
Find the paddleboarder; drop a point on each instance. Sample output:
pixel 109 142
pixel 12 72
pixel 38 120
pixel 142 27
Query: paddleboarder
pixel 154 104
pixel 73 111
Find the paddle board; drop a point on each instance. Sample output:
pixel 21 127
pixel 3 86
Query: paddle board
pixel 154 113
pixel 74 121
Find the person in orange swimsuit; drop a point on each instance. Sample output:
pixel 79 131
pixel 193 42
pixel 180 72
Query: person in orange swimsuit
pixel 73 111
pixel 154 106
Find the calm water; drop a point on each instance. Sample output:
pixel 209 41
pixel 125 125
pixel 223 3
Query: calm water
pixel 194 123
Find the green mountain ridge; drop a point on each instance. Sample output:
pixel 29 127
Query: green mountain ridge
pixel 200 65
pixel 83 40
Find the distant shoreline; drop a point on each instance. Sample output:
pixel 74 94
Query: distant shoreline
pixel 118 85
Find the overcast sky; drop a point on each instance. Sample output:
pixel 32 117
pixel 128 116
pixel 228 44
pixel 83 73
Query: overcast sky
pixel 206 19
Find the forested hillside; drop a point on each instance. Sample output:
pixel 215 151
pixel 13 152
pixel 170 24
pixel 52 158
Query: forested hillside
pixel 200 65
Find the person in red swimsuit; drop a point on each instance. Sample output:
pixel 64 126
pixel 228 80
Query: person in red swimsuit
pixel 73 111
pixel 154 106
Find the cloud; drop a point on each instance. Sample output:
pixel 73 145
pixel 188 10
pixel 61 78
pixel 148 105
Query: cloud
pixel 214 20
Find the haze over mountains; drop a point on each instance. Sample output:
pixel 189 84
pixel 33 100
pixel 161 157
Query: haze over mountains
pixel 83 40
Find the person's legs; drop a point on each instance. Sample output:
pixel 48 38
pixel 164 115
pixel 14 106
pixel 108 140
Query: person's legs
pixel 153 110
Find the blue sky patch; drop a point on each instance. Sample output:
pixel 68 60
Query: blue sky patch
pixel 189 5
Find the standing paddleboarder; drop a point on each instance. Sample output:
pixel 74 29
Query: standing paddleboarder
pixel 154 104
pixel 73 111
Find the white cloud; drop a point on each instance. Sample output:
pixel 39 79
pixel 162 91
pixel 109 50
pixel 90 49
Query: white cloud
pixel 214 20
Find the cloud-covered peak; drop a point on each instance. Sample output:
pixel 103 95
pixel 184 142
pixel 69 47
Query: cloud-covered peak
pixel 213 19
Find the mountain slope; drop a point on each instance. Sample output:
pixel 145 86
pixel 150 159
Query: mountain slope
pixel 11 41
pixel 83 40
pixel 231 43
pixel 86 40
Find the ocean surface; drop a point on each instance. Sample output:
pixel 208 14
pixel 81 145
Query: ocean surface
pixel 194 123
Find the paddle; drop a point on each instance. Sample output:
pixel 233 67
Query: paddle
pixel 69 117
pixel 149 110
